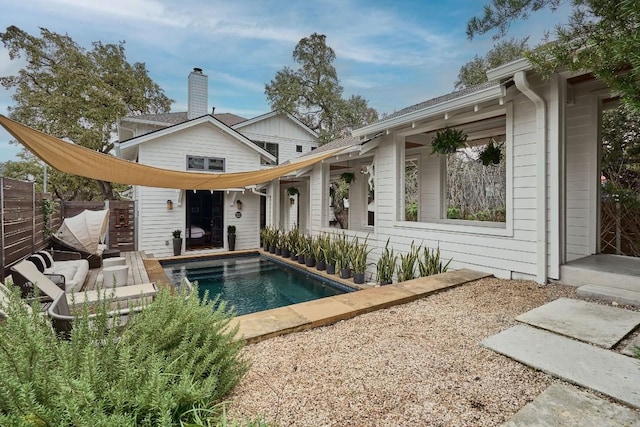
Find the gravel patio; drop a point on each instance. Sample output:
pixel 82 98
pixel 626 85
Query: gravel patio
pixel 418 364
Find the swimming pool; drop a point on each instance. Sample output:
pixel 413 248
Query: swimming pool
pixel 252 283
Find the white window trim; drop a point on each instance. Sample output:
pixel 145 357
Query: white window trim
pixel 466 226
pixel 206 163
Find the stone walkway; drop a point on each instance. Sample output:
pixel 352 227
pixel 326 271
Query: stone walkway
pixel 558 351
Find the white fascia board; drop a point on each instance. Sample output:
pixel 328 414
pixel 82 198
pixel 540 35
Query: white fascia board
pixel 195 122
pixel 471 99
pixel 509 69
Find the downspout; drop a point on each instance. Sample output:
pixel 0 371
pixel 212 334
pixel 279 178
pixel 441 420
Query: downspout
pixel 254 191
pixel 520 79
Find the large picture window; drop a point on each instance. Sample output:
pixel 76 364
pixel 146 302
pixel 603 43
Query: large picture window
pixel 209 164
pixel 469 184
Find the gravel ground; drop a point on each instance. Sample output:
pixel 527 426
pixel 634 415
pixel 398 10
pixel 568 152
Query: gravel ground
pixel 418 364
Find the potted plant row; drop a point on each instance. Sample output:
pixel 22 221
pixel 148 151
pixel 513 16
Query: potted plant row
pixel 333 253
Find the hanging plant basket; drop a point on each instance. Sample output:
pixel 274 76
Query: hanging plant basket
pixel 491 154
pixel 447 141
pixel 347 177
pixel 293 191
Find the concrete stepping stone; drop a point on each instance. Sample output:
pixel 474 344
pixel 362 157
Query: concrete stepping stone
pixel 564 406
pixel 586 321
pixel 610 294
pixel 630 349
pixel 611 373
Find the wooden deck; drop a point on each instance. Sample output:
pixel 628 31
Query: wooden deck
pixel 137 271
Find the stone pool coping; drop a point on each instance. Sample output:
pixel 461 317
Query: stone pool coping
pixel 256 327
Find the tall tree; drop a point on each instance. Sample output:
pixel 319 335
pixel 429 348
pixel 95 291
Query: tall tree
pixel 77 94
pixel 475 71
pixel 312 93
pixel 602 36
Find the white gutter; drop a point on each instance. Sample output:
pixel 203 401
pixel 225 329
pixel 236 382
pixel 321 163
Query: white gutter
pixel 478 97
pixel 254 191
pixel 520 78
pixel 507 70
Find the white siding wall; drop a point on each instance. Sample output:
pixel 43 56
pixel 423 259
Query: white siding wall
pixel 581 153
pixel 170 152
pixel 506 252
pixel 281 130
pixel 248 225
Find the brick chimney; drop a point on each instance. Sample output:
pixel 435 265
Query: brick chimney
pixel 198 93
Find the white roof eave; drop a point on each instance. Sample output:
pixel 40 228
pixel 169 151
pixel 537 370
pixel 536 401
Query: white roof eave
pixel 508 70
pixel 471 99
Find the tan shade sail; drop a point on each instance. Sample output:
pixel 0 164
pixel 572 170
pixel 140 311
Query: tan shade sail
pixel 77 160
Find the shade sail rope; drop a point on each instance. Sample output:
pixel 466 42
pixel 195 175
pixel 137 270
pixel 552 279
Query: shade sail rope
pixel 77 160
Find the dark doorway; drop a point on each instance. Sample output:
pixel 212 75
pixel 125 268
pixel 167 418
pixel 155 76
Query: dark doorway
pixel 205 219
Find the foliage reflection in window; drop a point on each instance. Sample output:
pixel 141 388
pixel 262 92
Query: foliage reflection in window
pixel 475 191
pixel 411 176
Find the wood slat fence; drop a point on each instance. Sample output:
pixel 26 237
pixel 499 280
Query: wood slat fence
pixel 24 230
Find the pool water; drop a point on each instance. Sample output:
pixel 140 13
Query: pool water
pixel 251 284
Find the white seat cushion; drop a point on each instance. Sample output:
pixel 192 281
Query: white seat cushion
pixel 75 272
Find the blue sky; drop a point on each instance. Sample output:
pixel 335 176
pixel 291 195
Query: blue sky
pixel 393 53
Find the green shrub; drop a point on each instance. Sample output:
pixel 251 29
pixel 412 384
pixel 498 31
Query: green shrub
pixel 177 354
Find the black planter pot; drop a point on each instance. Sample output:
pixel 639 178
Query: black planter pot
pixel 232 242
pixel 345 273
pixel 177 246
pixel 286 253
pixel 321 265
pixel 358 278
pixel 310 262
pixel 294 256
pixel 272 249
pixel 300 259
pixel 278 251
pixel 331 269
pixel 385 282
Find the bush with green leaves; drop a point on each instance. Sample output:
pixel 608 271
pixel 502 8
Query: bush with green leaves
pixel 407 266
pixel 430 263
pixel 177 354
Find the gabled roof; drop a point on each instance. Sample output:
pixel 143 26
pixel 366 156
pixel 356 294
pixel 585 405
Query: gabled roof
pixel 346 142
pixel 465 97
pixel 170 119
pixel 133 142
pixel 273 114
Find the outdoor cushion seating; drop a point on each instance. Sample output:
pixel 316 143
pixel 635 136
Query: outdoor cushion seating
pixel 64 268
pixel 61 311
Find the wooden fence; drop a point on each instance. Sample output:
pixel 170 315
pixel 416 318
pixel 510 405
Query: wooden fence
pixel 24 230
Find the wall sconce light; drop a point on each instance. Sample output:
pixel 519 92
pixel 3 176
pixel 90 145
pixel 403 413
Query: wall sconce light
pixel 239 204
pixel 292 201
pixel 169 204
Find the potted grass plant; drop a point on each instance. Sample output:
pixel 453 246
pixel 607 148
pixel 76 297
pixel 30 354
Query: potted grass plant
pixel 278 242
pixel 309 243
pixel 285 242
pixel 358 255
pixel 386 266
pixel 343 256
pixel 329 251
pixel 407 267
pixel 317 253
pixel 430 262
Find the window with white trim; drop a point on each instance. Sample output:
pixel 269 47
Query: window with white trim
pixel 466 186
pixel 208 164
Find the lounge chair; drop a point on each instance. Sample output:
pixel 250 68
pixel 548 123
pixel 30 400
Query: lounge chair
pixel 60 310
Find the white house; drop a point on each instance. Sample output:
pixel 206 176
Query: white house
pixel 198 141
pixel 534 212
